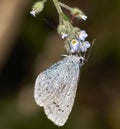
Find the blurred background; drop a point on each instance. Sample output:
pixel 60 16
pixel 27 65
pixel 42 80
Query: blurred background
pixel 28 45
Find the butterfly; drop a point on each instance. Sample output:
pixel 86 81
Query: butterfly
pixel 55 88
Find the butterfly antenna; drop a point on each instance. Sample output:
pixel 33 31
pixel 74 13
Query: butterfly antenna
pixel 91 49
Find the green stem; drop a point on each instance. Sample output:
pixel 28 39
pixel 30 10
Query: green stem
pixel 65 6
pixel 59 10
pixel 44 1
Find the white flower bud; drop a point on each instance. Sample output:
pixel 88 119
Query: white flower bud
pixel 78 13
pixel 37 8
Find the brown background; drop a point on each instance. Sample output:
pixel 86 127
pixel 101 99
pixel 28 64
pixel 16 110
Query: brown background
pixel 28 45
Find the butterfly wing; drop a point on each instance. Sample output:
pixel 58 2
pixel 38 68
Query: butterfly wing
pixel 55 89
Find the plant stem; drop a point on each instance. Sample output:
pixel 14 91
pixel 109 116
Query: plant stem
pixel 59 10
pixel 65 6
pixel 44 1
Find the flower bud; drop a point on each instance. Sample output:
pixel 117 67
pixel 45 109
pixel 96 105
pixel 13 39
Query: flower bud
pixel 78 13
pixel 62 31
pixel 37 8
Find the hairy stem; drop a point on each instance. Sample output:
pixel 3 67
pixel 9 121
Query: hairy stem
pixel 44 1
pixel 59 10
pixel 65 6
